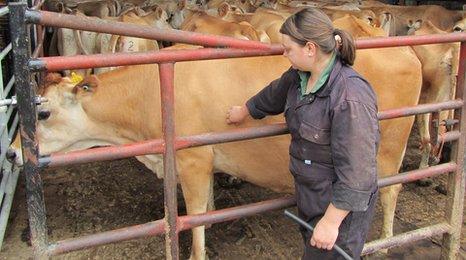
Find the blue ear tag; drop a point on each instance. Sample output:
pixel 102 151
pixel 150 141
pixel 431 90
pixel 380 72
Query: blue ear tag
pixel 308 162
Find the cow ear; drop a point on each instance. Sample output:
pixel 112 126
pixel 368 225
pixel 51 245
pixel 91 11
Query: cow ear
pixel 52 78
pixel 181 4
pixel 158 12
pixel 223 9
pixel 88 84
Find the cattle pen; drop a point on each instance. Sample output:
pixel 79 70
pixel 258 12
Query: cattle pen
pixel 25 64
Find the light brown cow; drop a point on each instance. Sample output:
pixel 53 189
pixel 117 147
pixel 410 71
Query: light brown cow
pixel 406 16
pixel 439 69
pixel 199 21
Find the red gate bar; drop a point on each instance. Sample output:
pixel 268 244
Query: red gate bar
pixel 419 109
pixel 99 25
pixel 405 238
pixel 121 59
pixel 156 146
pixel 187 222
pixel 456 181
pixel 58 63
pixel 397 41
pixel 167 93
pixel 418 174
pixel 158 227
pixel 148 32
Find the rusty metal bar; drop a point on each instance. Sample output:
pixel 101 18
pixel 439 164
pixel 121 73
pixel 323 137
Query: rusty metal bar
pixel 27 112
pixel 156 146
pixel 456 180
pixel 158 227
pixel 404 238
pixel 397 41
pixel 39 50
pixel 420 109
pixel 167 92
pixel 148 32
pixel 122 59
pixel 418 174
pixel 58 63
pixel 118 235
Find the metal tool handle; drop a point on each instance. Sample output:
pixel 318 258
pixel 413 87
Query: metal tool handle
pixel 306 225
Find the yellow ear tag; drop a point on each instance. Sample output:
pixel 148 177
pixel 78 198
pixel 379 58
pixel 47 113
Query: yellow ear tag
pixel 75 78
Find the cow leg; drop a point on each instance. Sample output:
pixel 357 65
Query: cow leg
pixel 424 135
pixel 388 198
pixel 196 178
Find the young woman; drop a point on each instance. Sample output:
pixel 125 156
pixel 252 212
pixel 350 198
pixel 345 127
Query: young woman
pixel 331 112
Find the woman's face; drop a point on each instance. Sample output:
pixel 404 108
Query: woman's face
pixel 299 56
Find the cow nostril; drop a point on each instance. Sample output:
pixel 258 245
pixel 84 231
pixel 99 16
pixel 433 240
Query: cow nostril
pixel 10 155
pixel 43 115
pixel 457 29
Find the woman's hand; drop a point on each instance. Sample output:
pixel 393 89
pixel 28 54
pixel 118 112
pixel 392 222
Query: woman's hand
pixel 237 114
pixel 325 234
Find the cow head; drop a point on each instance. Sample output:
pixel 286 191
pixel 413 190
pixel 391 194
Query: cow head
pixel 63 124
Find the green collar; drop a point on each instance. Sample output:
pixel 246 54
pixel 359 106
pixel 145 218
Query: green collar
pixel 305 75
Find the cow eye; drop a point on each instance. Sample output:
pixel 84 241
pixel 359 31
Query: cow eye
pixel 43 115
pixel 85 87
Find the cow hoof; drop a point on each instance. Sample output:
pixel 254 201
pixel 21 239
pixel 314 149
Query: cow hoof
pixel 441 189
pixel 424 182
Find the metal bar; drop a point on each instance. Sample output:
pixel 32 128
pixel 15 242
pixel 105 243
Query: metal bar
pixel 39 50
pixel 118 235
pixel 420 109
pixel 103 26
pixel 417 174
pixel 27 111
pixel 4 124
pixel 456 181
pixel 167 92
pixel 99 25
pixel 9 194
pixel 397 41
pixel 58 63
pixel 158 227
pixel 5 177
pixel 9 86
pixel 156 146
pixel 5 51
pixel 4 11
pixel 404 238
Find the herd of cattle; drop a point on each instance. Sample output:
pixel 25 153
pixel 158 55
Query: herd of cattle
pixel 114 106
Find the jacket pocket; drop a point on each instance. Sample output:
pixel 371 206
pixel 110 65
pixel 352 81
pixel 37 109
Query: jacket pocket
pixel 314 134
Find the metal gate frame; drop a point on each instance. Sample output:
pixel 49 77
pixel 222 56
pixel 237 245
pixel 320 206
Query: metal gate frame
pixel 172 224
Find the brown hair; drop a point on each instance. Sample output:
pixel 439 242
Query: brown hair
pixel 312 25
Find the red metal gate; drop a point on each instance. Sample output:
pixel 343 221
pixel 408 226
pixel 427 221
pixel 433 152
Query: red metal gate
pixel 172 224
